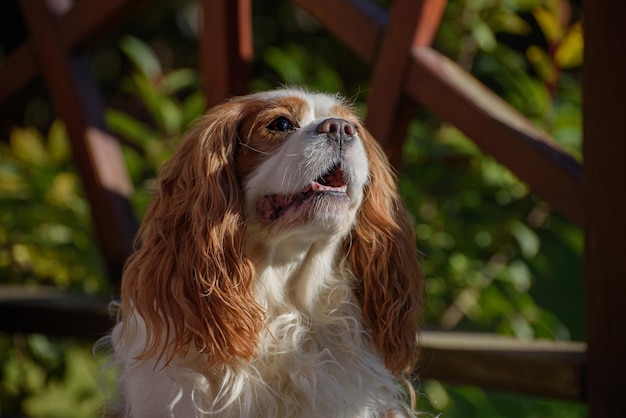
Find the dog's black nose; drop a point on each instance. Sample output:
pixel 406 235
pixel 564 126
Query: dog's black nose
pixel 338 130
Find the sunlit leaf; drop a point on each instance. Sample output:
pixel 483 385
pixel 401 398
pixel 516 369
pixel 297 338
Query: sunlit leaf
pixel 521 328
pixel 549 23
pixel 55 233
pixel 177 80
pixel 569 54
pixel 28 146
pixel 172 117
pixel 519 275
pixel 437 395
pixel 12 183
pixel 527 239
pixel 193 106
pixel 151 98
pixel 63 191
pixel 58 143
pixel 506 21
pixel 484 36
pixel 541 63
pixel 129 127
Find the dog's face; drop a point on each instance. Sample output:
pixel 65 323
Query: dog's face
pixel 301 161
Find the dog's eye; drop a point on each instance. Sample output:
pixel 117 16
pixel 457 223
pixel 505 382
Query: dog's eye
pixel 281 124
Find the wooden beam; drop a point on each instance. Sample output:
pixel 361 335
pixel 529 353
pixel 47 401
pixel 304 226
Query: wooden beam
pixel 543 368
pixel 49 311
pixel 97 154
pixel 413 23
pixel 82 25
pixel 225 48
pixel 531 154
pixel 604 154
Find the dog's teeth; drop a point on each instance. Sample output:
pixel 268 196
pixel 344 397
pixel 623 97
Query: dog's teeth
pixel 317 187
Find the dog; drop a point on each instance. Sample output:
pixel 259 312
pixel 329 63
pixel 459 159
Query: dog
pixel 276 271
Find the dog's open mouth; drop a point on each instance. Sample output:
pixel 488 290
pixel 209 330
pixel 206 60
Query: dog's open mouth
pixel 272 207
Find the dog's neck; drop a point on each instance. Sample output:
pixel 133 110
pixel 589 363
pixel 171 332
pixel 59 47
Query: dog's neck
pixel 295 271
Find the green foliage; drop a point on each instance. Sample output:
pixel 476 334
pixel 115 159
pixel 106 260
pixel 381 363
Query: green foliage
pixel 496 257
pixel 172 100
pixel 45 219
pixel 471 402
pixel 61 373
pixel 481 234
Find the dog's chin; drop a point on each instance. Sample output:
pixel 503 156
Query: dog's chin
pixel 324 207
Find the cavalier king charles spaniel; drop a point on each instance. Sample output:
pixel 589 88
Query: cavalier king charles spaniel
pixel 276 273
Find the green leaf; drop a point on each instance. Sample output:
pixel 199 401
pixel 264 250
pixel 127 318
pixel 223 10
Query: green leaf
pixel 150 97
pixel 542 64
pixel 549 22
pixel 177 80
pixel 193 106
pixel 28 146
pixel 284 64
pixel 569 54
pixel 484 36
pixel 129 127
pixel 506 21
pixel 141 56
pixel 64 190
pixel 172 117
pixel 527 239
pixel 58 142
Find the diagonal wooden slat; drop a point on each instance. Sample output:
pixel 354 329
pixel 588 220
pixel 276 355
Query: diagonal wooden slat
pixel 540 161
pixel 82 25
pixel 453 95
pixel 96 153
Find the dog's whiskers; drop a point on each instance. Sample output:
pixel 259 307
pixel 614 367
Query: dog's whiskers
pixel 243 144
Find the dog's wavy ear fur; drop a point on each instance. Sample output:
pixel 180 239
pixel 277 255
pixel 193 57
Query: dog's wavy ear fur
pixel 189 279
pixel 383 257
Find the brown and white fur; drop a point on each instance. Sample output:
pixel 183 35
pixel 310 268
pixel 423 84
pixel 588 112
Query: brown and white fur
pixel 276 273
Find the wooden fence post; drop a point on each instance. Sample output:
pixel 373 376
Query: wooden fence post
pixel 604 178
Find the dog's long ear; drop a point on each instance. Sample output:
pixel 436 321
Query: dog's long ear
pixel 189 280
pixel 383 256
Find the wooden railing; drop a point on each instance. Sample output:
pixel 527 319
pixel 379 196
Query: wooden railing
pixel 407 72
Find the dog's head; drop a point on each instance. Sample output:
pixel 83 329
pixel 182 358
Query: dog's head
pixel 260 168
pixel 302 163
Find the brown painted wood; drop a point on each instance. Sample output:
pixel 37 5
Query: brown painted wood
pixel 543 368
pixel 604 153
pixel 412 23
pixel 225 48
pixel 96 153
pixel 46 310
pixel 453 95
pixel 79 27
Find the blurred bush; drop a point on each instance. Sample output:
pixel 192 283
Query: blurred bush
pixel 497 258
